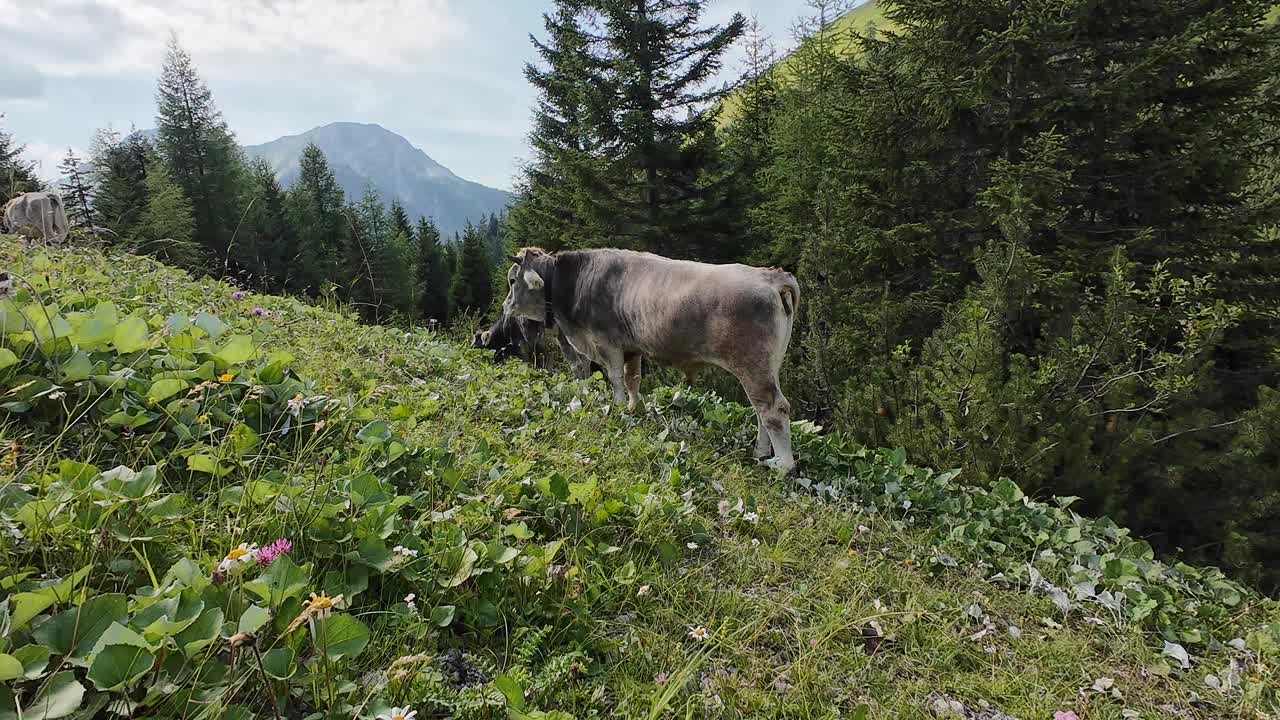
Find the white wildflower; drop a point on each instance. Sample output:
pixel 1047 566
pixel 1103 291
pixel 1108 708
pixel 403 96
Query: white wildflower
pixel 698 633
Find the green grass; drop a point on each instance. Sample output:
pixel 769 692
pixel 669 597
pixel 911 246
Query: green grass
pixel 538 512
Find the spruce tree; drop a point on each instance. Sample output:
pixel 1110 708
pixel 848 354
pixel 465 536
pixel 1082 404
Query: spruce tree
pixel 400 220
pixel 372 230
pixel 77 191
pixel 120 174
pixel 17 176
pixel 434 277
pixel 472 291
pixel 166 228
pixel 199 151
pixel 315 210
pixel 644 94
pixel 266 249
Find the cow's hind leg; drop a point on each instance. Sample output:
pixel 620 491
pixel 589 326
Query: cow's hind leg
pixel 773 414
pixel 631 372
pixel 614 368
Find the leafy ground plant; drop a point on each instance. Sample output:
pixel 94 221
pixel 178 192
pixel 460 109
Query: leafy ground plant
pixel 218 504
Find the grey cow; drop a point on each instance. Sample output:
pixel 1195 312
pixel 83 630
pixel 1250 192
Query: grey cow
pixel 617 306
pixel 39 215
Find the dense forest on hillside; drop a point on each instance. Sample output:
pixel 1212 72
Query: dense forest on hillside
pixel 1035 239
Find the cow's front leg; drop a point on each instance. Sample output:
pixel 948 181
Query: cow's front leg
pixel 631 372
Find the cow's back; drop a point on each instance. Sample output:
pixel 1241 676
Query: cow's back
pixel 675 311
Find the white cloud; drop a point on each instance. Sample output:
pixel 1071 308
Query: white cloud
pixel 93 37
pixel 47 158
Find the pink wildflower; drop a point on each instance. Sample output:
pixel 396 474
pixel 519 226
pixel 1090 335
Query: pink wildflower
pixel 274 550
pixel 1065 715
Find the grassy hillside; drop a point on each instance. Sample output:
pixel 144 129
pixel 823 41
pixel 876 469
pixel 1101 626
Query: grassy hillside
pixel 502 543
pixel 860 19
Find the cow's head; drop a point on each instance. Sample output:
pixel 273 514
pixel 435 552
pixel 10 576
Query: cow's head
pixel 526 286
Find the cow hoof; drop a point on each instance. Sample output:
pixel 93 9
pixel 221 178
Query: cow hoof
pixel 777 466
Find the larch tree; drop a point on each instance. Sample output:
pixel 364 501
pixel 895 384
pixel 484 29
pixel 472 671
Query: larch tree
pixel 77 191
pixel 199 151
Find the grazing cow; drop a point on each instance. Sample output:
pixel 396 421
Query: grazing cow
pixel 38 215
pixel 617 306
pixel 511 336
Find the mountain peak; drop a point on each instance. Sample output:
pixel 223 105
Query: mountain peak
pixel 363 154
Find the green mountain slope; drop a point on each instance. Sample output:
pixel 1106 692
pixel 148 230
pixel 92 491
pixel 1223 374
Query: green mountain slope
pixel 507 544
pixel 861 19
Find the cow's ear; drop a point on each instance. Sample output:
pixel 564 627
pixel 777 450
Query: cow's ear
pixel 532 279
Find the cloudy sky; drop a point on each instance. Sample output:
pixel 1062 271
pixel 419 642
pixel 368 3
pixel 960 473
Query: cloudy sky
pixel 446 74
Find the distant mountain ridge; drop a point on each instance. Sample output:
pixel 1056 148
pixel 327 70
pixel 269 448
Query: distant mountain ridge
pixel 363 154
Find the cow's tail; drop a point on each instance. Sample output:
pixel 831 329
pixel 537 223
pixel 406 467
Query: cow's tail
pixel 789 293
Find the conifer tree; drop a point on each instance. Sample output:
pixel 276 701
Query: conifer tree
pixel 472 291
pixel 434 277
pixel 400 220
pixel 199 151
pixel 120 174
pixel 372 229
pixel 166 228
pixel 314 206
pixel 266 249
pixel 639 88
pixel 77 191
pixel 17 176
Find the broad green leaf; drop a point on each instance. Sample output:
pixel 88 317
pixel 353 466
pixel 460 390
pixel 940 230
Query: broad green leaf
pixel 7 358
pixel 77 368
pixel 200 462
pixel 117 666
pixel 120 634
pixel 131 334
pixel 34 659
pixel 254 617
pixel 279 664
pixel 466 563
pixel 26 605
pixel 123 482
pixel 238 349
pixel 200 634
pixel 345 636
pixel 75 632
pixel 442 615
pixel 283 579
pixel 59 697
pixel 375 433
pixel 211 324
pixel 169 617
pixel 10 668
pixel 1007 490
pixel 512 690
pixel 164 389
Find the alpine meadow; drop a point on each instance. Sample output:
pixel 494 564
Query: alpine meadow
pixel 256 464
